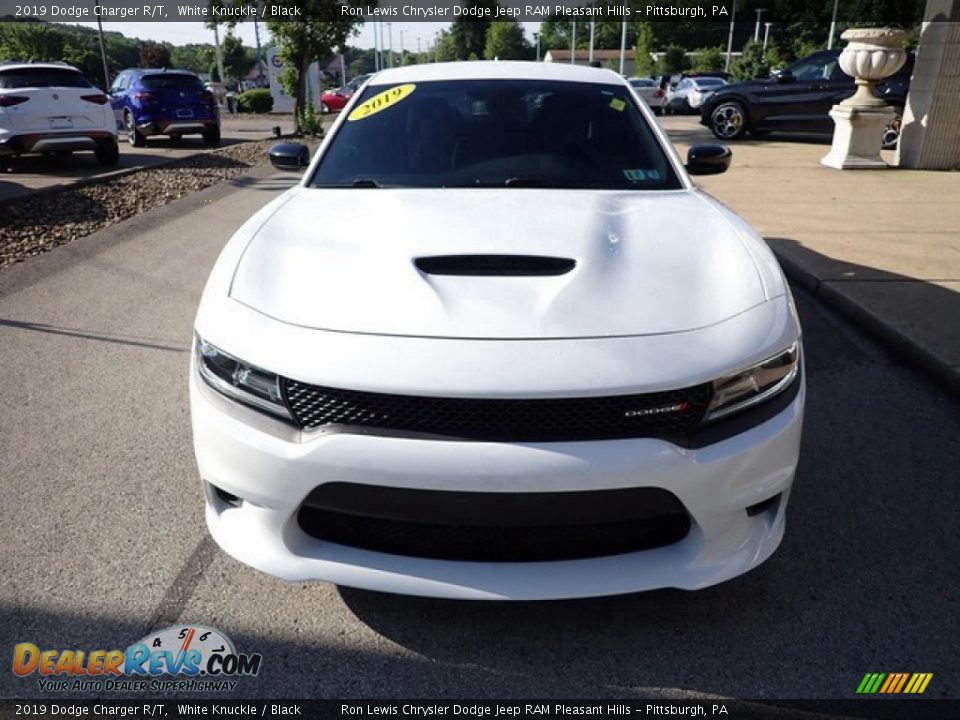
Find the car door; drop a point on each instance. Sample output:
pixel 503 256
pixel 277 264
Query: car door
pixel 677 93
pixel 800 99
pixel 118 96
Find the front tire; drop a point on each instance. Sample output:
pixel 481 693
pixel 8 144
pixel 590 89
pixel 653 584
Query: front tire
pixel 324 109
pixel 211 138
pixel 108 154
pixel 891 133
pixel 134 136
pixel 728 121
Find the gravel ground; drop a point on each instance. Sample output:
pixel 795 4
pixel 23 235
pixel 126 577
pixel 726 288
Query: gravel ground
pixel 38 223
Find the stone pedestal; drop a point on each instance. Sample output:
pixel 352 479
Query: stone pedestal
pixel 871 54
pixel 858 136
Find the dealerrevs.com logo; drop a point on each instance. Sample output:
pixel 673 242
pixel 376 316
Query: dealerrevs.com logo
pixel 198 658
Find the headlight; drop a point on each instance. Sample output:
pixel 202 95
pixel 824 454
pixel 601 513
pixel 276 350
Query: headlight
pixel 754 385
pixel 240 381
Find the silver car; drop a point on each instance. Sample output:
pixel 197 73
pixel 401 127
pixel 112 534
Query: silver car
pixel 650 91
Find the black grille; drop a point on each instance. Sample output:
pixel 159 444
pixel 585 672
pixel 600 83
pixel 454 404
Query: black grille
pixel 494 527
pixel 670 415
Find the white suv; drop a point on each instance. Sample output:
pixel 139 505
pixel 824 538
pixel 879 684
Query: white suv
pixel 52 108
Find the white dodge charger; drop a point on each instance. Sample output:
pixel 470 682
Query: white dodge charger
pixel 497 345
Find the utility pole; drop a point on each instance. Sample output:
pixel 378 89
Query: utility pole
pixel 219 51
pixel 593 27
pixel 623 44
pixel 256 33
pixel 766 36
pixel 103 57
pixel 756 30
pixel 401 48
pixel 390 42
pixel 573 44
pixel 733 20
pixel 376 48
pixel 833 25
pixel 383 47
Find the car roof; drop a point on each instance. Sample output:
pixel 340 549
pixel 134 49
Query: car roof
pixel 45 66
pixel 496 70
pixel 159 71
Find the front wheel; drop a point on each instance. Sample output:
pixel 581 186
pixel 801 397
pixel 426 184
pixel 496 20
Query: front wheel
pixel 108 154
pixel 211 137
pixel 728 121
pixel 891 133
pixel 324 109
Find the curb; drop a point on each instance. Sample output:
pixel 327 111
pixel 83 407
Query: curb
pixel 893 339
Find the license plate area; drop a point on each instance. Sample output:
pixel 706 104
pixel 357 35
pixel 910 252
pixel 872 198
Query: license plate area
pixel 184 113
pixel 61 123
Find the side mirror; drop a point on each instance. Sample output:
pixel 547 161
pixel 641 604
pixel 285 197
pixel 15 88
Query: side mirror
pixel 785 76
pixel 708 159
pixel 292 157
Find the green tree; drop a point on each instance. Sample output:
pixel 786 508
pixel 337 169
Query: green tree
pixel 505 41
pixel 710 58
pixel 302 42
pixel 445 48
pixel 237 60
pixel 470 36
pixel 195 57
pixel 32 41
pixel 751 64
pixel 674 60
pixel 643 61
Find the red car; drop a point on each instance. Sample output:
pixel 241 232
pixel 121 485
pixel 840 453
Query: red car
pixel 335 100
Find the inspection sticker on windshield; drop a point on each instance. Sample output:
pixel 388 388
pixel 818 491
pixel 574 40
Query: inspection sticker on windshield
pixel 381 101
pixel 618 104
pixel 641 175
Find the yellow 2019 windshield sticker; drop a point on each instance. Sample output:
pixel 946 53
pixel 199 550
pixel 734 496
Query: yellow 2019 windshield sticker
pixel 381 101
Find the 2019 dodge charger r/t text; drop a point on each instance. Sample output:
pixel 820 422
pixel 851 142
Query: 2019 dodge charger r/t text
pixel 497 345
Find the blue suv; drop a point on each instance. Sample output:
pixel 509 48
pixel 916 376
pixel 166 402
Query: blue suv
pixel 164 102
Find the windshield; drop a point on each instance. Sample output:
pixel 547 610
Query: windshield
pixel 169 81
pixel 642 83
pixel 709 82
pixel 496 133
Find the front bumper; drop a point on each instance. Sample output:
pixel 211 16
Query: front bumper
pixel 50 142
pixel 271 468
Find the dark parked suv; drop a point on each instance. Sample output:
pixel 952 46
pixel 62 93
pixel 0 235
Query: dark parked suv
pixel 164 102
pixel 798 99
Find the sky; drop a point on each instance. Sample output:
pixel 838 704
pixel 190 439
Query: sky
pixel 182 33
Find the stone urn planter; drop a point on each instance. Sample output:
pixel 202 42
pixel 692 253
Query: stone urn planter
pixel 871 54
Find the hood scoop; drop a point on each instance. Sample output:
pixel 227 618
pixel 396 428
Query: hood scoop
pixel 494 265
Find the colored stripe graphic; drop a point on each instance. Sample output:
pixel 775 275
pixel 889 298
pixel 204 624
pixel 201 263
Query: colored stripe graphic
pixel 894 683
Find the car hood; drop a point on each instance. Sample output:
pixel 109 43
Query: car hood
pixel 644 263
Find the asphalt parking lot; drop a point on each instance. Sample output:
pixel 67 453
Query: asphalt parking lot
pixel 105 539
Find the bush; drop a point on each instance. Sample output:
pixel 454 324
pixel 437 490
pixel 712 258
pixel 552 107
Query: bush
pixel 258 100
pixel 308 122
